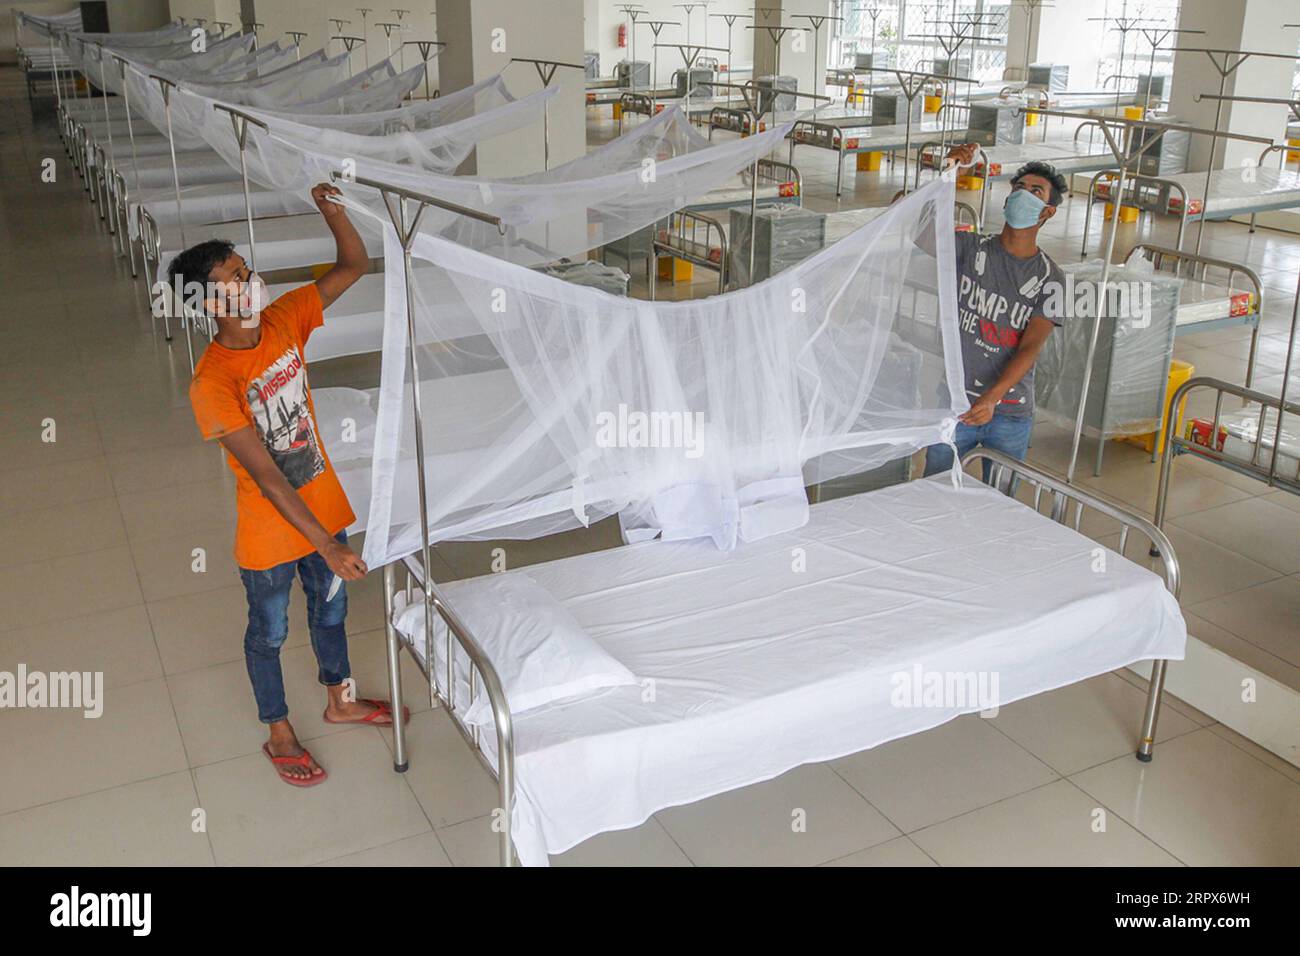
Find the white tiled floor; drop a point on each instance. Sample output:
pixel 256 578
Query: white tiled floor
pixel 96 573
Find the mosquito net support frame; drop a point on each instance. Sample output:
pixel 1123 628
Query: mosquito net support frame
pixel 166 86
pixel 731 19
pixel 690 53
pixel 1156 36
pixel 296 36
pixel 112 156
pixel 425 46
pixel 817 20
pixel 388 34
pixel 1225 67
pixel 135 163
pixel 546 72
pixel 752 92
pixel 776 33
pixel 656 27
pixel 239 121
pixel 632 11
pixel 349 44
pixel 405 208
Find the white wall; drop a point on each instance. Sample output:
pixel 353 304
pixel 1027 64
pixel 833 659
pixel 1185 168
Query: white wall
pixel 132 16
pixel 473 54
pixel 603 20
pixel 41 9
pixel 225 10
pixel 1235 25
pixel 797 46
pixel 1062 34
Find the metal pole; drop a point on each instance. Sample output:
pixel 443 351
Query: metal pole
pixel 165 86
pixel 394 649
pixel 1101 300
pixel 1209 165
pixel 401 47
pixel 240 123
pixel 112 157
pixel 365 35
pixel 1286 382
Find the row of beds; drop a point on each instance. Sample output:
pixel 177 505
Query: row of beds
pixel 727 712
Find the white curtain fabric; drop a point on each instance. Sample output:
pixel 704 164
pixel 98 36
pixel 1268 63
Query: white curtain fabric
pixel 546 405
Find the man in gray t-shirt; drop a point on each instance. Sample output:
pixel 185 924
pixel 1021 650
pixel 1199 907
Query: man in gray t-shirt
pixel 1005 314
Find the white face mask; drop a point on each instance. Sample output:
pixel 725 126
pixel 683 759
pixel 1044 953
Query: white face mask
pixel 253 297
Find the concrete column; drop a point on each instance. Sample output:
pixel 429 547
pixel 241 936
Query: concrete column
pixel 130 16
pixel 482 36
pixel 797 46
pixel 1062 33
pixel 1234 25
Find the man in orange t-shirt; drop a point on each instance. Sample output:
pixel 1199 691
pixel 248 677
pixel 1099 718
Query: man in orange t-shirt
pixel 250 392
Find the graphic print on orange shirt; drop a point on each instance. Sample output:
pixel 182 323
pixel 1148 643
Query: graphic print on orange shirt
pixel 278 401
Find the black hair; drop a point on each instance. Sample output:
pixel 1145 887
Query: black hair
pixel 1039 168
pixel 196 263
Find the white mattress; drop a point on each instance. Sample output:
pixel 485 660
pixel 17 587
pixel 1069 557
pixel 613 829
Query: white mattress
pixel 757 668
pixel 866 138
pixel 1230 190
pixel 1239 434
pixel 213 202
pixel 1005 160
pixel 1206 302
pixel 195 168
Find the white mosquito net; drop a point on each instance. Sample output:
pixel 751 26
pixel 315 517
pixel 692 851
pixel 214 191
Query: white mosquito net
pixel 612 191
pixel 546 405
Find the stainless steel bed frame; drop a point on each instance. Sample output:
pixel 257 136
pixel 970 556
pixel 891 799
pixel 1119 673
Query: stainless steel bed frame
pixel 415 585
pixel 1163 186
pixel 1176 444
pixel 1193 266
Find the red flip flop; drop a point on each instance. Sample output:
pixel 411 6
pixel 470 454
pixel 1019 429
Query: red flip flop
pixel 303 759
pixel 382 709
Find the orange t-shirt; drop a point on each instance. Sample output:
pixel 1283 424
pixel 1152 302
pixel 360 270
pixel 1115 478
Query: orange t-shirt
pixel 266 387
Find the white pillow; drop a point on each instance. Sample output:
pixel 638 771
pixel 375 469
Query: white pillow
pixel 539 651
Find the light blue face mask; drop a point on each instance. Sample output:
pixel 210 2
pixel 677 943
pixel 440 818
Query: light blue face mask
pixel 1022 209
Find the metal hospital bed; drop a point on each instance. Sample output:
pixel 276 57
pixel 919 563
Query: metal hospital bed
pixel 827 712
pixel 850 135
pixel 707 241
pixel 1247 190
pixel 1233 297
pixel 995 163
pixel 775 183
pixel 530 762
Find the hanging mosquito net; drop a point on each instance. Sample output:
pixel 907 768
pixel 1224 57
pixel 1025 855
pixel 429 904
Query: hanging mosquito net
pixel 546 406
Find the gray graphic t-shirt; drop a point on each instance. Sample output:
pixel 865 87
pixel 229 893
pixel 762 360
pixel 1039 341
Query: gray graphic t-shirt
pixel 997 294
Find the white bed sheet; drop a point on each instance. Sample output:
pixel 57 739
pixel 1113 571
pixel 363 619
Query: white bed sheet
pixel 757 668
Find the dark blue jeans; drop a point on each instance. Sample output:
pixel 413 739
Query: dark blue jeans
pixel 1001 433
pixel 268 627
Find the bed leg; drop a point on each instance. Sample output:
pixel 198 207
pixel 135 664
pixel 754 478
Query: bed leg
pixel 1250 362
pixel 1147 739
pixel 400 760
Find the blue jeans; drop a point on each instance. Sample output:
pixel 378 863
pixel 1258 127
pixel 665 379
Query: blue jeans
pixel 1004 433
pixel 268 627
